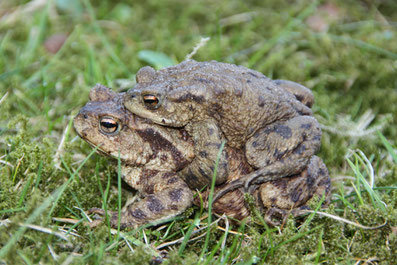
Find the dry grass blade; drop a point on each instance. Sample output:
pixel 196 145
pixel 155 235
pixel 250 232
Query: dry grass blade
pixel 54 255
pixel 45 230
pixel 237 19
pixel 181 239
pixel 129 245
pixel 65 220
pixel 226 230
pixel 343 220
pixel 68 232
pixel 60 149
pixel 342 178
pixel 23 11
pixel 3 97
pixel 230 231
pixel 178 241
pixel 5 222
pixel 371 260
pixel 84 214
pixel 356 129
pixel 7 163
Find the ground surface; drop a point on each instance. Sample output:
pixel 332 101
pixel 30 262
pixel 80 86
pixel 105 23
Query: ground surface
pixel 345 51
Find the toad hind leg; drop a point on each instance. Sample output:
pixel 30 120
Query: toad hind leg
pixel 279 150
pixel 262 175
pixel 290 195
pixel 283 148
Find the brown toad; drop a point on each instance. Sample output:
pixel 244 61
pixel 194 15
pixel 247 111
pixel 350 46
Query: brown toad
pixel 270 120
pixel 157 162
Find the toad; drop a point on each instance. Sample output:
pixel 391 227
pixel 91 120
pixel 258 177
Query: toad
pixel 157 161
pixel 270 120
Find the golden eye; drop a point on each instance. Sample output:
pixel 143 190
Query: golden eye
pixel 109 125
pixel 151 101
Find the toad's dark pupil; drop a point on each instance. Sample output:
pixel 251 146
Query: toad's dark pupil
pixel 108 124
pixel 150 100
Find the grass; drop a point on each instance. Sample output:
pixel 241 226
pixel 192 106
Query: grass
pixel 49 176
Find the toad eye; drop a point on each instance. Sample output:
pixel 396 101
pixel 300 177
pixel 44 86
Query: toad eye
pixel 151 101
pixel 109 125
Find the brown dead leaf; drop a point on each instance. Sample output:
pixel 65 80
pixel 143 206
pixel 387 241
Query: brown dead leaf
pixel 55 42
pixel 326 14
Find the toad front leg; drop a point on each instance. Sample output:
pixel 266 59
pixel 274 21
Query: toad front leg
pixel 208 139
pixel 165 195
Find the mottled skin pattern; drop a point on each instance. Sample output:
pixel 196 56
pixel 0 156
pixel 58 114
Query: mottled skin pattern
pixel 157 162
pixel 270 120
pixel 278 198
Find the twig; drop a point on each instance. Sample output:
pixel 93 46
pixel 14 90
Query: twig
pixel 203 42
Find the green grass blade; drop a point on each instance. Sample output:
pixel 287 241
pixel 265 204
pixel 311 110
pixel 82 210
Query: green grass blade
pixel 210 198
pixel 372 194
pixel 186 238
pixel 319 247
pixel 119 173
pixel 24 192
pixel 388 146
